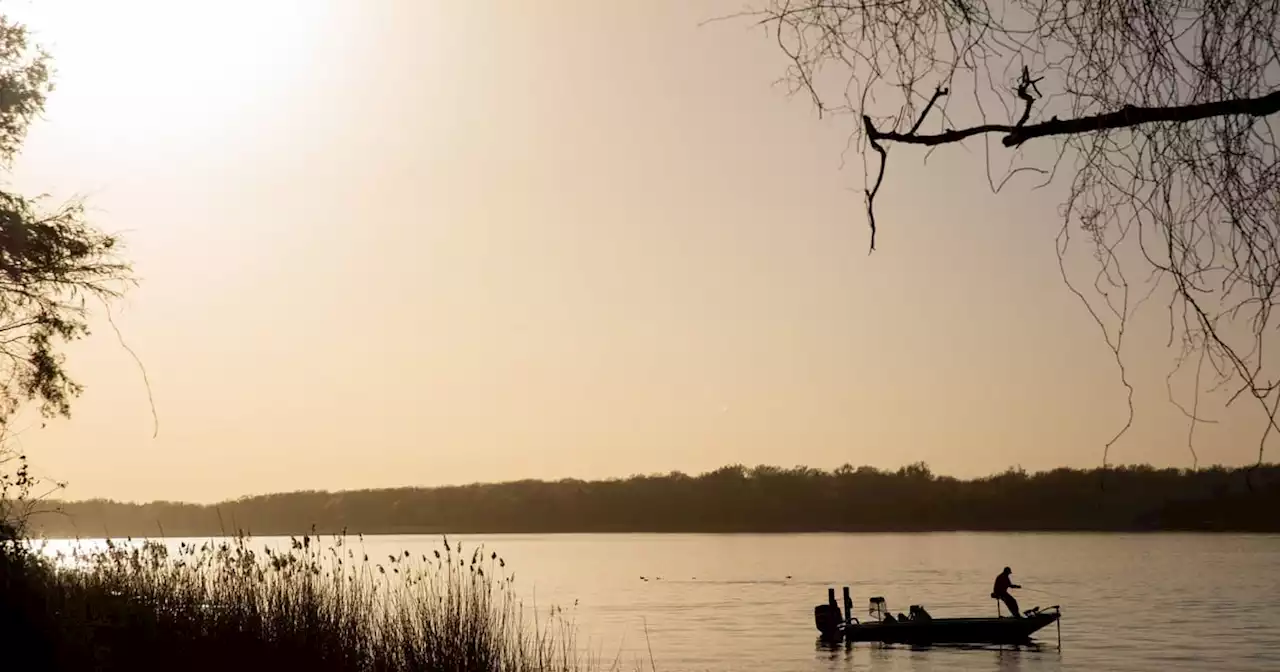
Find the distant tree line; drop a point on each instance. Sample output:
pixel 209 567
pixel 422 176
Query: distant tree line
pixel 730 499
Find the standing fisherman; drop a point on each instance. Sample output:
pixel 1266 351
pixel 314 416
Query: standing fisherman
pixel 1001 592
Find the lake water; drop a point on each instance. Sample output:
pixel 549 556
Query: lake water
pixel 745 602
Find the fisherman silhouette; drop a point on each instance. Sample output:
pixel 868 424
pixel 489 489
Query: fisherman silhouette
pixel 1001 592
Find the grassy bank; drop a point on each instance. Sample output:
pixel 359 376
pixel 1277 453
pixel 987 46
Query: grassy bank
pixel 314 607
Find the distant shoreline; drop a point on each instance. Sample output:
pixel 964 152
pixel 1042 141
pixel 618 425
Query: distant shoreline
pixel 730 500
pixel 299 534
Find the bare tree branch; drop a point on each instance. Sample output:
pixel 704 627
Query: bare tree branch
pixel 1125 117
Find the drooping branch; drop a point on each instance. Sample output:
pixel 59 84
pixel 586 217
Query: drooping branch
pixel 884 157
pixel 874 136
pixel 871 193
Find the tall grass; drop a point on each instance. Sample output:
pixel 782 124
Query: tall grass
pixel 315 607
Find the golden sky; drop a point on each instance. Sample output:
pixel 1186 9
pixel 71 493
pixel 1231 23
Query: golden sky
pixel 408 242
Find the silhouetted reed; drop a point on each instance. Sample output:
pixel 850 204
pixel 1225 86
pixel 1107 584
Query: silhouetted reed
pixel 225 606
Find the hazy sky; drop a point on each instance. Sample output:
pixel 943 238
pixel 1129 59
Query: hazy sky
pixel 409 242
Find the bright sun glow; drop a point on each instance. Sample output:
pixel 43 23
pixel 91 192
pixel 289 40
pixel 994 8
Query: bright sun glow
pixel 176 69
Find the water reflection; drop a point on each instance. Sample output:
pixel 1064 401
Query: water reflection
pixel 1009 659
pixel 880 656
pixel 837 648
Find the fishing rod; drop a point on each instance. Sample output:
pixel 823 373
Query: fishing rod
pixel 1042 592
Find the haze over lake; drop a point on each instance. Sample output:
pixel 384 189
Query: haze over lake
pixel 745 602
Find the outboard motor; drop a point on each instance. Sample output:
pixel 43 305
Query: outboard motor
pixel 827 617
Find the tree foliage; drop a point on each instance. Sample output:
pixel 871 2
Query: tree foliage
pixel 53 263
pixel 730 499
pixel 1163 114
pixel 15 489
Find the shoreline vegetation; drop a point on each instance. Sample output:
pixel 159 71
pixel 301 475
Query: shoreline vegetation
pixel 321 604
pixel 732 499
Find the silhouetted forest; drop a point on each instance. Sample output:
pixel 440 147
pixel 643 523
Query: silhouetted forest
pixel 730 499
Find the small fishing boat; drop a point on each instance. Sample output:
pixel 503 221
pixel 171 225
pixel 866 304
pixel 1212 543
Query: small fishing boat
pixel 921 628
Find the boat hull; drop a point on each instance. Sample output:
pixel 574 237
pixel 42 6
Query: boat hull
pixel 949 630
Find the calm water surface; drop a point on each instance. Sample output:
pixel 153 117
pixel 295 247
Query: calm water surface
pixel 745 602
